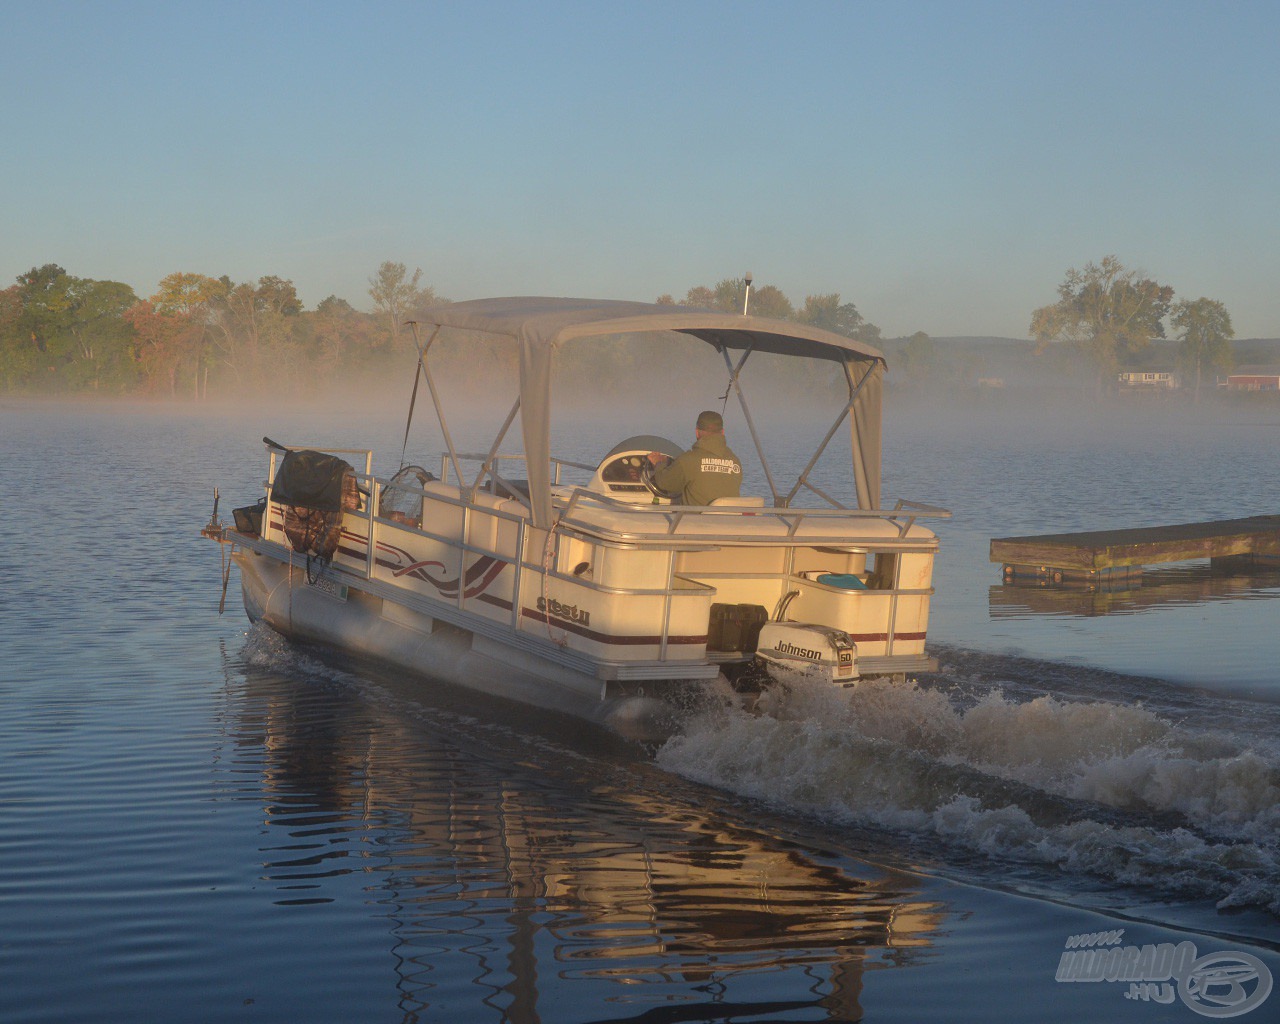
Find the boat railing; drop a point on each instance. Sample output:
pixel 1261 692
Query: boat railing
pixel 523 559
pixel 489 467
pixel 661 528
pixel 902 516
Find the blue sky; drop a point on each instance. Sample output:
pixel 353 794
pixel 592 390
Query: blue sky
pixel 941 165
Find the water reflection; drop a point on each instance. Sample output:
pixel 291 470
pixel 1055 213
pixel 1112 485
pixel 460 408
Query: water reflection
pixel 1183 584
pixel 532 882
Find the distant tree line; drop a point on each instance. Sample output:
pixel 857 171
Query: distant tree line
pixel 197 335
pixel 200 336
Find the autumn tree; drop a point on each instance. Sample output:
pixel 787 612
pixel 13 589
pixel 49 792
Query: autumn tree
pixel 163 341
pixel 1205 341
pixel 180 341
pixel 1106 310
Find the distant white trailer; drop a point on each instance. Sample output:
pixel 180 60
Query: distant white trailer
pixel 1149 380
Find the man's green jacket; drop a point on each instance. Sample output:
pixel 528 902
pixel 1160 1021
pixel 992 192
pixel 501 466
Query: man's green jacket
pixel 706 471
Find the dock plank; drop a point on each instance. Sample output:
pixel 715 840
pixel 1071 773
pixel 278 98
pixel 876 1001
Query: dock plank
pixel 1099 550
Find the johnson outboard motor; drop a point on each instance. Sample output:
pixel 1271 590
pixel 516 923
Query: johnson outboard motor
pixel 791 650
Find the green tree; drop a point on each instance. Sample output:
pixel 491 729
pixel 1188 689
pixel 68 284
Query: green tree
pixel 10 310
pixel 257 332
pixel 700 297
pixel 276 295
pixel 396 297
pixel 729 294
pixel 42 293
pixel 101 349
pixel 768 300
pixel 341 332
pixel 1106 310
pixel 68 332
pixel 17 353
pixel 919 356
pixel 1205 341
pixel 829 313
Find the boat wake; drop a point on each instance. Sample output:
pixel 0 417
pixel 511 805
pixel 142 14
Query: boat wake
pixel 1045 789
pixel 1092 788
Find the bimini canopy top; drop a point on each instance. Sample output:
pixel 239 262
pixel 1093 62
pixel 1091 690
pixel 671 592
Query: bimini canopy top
pixel 538 326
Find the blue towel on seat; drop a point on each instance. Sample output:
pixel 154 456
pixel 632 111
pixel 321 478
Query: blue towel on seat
pixel 845 581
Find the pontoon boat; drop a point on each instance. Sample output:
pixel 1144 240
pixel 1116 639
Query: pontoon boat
pixel 601 597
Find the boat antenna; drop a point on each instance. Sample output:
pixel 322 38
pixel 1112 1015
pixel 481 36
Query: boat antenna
pixel 746 295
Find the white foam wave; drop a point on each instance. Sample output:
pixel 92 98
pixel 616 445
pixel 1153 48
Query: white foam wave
pixel 1090 787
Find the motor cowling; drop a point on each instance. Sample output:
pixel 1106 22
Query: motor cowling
pixel 807 649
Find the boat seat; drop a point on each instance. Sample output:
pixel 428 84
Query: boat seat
pixel 518 489
pixel 742 501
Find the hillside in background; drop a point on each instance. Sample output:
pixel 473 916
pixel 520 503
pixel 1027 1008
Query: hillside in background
pixel 961 361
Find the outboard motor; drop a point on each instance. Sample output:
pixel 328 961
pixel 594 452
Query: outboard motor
pixel 791 649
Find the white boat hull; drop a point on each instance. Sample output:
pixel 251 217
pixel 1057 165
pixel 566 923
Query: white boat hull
pixel 340 616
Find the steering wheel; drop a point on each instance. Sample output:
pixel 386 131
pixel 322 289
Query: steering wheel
pixel 647 472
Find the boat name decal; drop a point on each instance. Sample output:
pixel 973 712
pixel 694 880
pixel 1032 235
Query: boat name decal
pixel 569 612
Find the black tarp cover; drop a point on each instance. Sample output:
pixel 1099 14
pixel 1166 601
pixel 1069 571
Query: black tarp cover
pixel 310 479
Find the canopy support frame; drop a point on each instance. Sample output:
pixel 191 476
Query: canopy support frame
pixel 435 399
pixel 803 479
pixel 487 467
pixel 735 385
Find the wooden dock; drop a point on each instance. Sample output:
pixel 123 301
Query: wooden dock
pixel 1109 553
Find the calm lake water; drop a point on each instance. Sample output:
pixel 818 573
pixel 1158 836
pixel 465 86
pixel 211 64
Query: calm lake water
pixel 201 822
